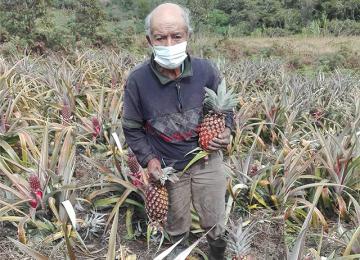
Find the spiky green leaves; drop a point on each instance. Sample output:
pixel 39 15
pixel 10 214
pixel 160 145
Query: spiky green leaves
pixel 169 174
pixel 222 101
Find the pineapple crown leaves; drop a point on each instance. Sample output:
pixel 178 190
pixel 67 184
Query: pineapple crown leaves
pixel 240 237
pixel 222 101
pixel 168 175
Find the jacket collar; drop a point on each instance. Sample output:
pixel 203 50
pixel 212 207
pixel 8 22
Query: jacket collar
pixel 186 72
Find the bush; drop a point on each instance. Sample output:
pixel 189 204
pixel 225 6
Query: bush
pixel 331 61
pixel 275 32
pixel 343 28
pixel 13 47
pixel 88 16
pixel 4 35
pixel 240 29
pixel 19 17
pixel 65 4
pixel 125 33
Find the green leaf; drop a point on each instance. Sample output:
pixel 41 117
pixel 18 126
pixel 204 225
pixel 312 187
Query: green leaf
pixel 296 252
pixel 128 222
pixel 10 151
pixel 167 251
pixel 112 239
pixel 354 239
pixel 196 158
pixel 44 156
pixel 118 205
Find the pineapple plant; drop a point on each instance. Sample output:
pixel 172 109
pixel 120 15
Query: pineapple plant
pixel 93 223
pixel 239 239
pixel 217 104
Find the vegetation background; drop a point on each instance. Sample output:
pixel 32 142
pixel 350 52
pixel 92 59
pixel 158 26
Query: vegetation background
pixel 66 24
pixel 293 165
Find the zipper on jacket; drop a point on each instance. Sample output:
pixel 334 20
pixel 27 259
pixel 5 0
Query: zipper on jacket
pixel 177 84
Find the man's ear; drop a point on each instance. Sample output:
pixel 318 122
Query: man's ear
pixel 148 40
pixel 189 35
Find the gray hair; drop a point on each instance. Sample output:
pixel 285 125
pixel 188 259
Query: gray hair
pixel 185 14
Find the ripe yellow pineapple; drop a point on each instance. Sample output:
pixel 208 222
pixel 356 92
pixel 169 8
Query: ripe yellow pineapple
pixel 214 121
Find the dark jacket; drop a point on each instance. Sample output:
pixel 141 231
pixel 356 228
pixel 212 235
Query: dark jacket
pixel 161 116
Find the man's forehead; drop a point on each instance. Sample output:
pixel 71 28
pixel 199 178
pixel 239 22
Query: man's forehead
pixel 163 27
pixel 167 21
pixel 166 31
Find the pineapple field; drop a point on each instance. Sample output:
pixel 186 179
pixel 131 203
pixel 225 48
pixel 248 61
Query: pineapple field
pixel 71 189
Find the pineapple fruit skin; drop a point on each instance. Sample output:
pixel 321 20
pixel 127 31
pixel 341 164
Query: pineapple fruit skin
pixel 135 170
pixel 156 194
pixel 156 203
pixel 217 105
pixel 212 125
pixel 36 191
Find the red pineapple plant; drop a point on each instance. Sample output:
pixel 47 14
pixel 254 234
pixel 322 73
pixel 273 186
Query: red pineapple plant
pixel 66 113
pixel 36 191
pixel 96 127
pixel 135 169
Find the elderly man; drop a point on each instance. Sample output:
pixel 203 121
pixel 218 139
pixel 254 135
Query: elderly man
pixel 163 106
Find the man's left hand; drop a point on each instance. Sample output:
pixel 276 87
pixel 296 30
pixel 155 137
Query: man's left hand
pixel 221 141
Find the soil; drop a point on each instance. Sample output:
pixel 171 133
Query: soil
pixel 269 241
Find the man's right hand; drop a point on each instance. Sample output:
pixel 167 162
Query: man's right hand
pixel 154 169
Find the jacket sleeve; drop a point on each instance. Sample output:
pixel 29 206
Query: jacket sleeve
pixel 215 78
pixel 133 125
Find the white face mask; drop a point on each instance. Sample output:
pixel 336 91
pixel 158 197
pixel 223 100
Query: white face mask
pixel 170 57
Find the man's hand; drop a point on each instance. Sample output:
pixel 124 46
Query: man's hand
pixel 154 169
pixel 221 141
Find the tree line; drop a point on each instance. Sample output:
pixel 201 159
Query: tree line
pixel 63 23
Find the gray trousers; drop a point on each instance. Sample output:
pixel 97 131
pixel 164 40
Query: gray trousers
pixel 203 185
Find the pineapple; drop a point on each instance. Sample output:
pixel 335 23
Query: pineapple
pixel 156 203
pixel 96 127
pixel 132 163
pixel 66 114
pixel 135 170
pixel 214 121
pixel 36 191
pixel 239 240
pixel 156 197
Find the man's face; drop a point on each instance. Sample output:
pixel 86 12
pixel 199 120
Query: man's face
pixel 168 29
